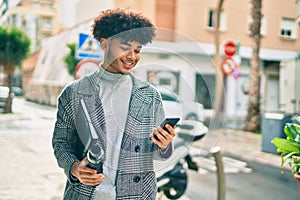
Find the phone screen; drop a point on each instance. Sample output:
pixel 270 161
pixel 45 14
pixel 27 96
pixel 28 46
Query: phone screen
pixel 171 121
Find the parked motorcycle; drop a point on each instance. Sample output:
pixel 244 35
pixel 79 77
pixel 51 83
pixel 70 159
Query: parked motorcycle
pixel 172 177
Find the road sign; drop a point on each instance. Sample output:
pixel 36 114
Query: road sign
pixel 88 47
pixel 230 48
pixel 228 66
pixel 85 67
pixel 236 72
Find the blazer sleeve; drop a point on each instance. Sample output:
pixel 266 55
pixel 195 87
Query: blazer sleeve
pixel 65 137
pixel 159 115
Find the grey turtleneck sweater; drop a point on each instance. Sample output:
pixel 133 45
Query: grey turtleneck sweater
pixel 115 91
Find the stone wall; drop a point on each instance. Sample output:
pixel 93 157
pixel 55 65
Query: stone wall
pixel 45 93
pixel 47 73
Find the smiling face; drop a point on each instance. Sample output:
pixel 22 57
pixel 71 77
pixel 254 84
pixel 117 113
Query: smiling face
pixel 120 56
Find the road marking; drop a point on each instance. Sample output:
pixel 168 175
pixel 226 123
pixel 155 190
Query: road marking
pixel 207 164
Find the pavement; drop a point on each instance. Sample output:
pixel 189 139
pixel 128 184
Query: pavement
pixel 247 146
pixel 29 171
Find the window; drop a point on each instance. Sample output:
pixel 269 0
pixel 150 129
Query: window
pixel 288 29
pixel 205 90
pixel 166 78
pixel 167 97
pixel 36 4
pixel 211 19
pixel 48 6
pixel 164 81
pixel 263 25
pixel 47 23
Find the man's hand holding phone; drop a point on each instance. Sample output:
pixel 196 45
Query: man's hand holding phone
pixel 165 133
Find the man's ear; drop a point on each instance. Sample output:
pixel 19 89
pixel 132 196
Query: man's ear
pixel 104 44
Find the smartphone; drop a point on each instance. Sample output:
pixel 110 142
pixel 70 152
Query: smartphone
pixel 171 121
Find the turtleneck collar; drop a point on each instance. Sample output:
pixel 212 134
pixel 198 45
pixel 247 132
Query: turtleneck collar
pixel 110 77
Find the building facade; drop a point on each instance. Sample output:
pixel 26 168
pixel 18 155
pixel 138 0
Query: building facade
pixel 37 18
pixel 182 56
pixel 193 21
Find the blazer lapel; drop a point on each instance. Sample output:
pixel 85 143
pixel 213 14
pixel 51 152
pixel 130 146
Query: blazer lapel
pixel 89 90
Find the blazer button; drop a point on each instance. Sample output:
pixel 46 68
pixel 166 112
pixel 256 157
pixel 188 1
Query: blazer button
pixel 137 148
pixel 136 179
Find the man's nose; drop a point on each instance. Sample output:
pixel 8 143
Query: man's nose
pixel 131 54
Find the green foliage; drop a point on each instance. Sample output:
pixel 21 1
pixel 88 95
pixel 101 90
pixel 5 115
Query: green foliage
pixel 289 148
pixel 14 49
pixel 70 59
pixel 14 46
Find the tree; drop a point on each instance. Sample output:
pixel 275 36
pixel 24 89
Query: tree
pixel 253 116
pixel 14 49
pixel 218 115
pixel 70 59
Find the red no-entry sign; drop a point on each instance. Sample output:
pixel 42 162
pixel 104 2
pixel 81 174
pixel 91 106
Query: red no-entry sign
pixel 228 66
pixel 85 67
pixel 230 48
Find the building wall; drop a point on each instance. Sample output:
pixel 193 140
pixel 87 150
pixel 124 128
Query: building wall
pixel 191 18
pixel 147 7
pixel 86 9
pixel 290 86
pixel 36 18
pixel 237 16
pixel 50 75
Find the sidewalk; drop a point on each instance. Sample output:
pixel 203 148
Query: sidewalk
pixel 239 144
pixel 247 146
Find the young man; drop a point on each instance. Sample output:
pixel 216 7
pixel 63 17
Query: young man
pixel 125 112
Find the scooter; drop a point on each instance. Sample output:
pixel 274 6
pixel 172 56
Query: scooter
pixel 172 177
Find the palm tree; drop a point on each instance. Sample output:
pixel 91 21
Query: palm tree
pixel 14 48
pixel 219 92
pixel 253 116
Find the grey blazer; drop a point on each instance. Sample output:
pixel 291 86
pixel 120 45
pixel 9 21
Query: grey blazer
pixel 135 176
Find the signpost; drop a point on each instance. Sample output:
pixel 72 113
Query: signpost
pixel 230 48
pixel 88 47
pixel 228 65
pixel 85 67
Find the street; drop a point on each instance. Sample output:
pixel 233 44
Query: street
pixel 29 169
pixel 244 180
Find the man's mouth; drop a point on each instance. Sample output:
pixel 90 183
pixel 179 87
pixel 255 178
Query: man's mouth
pixel 128 64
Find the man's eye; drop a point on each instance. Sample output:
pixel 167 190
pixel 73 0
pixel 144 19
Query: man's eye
pixel 137 51
pixel 125 49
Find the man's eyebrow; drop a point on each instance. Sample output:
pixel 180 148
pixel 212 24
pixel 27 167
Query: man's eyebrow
pixel 126 43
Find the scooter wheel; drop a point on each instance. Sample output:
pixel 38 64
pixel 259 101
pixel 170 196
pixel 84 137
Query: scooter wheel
pixel 175 193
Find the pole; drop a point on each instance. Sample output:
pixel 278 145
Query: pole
pixel 216 151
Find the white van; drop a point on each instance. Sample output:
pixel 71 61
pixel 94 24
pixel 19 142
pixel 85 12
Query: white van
pixel 175 107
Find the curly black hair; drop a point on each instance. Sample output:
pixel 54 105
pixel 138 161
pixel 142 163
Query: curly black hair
pixel 124 24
